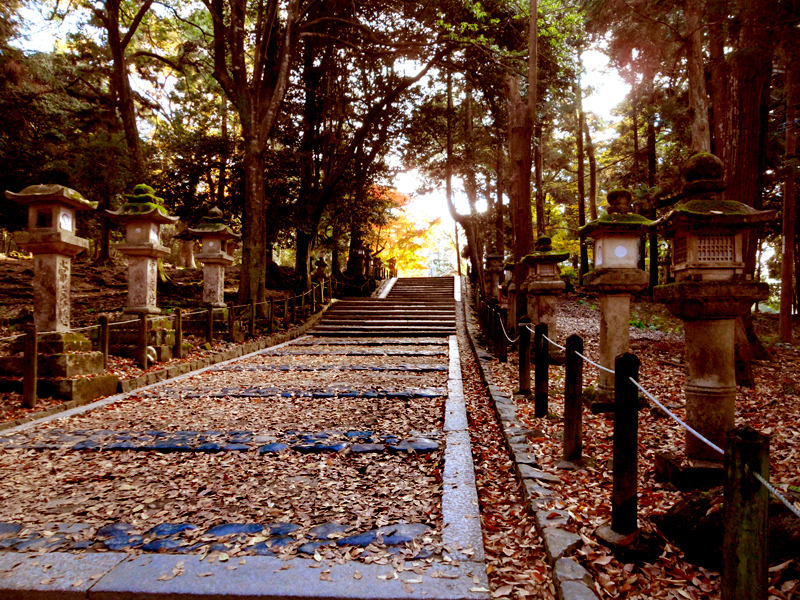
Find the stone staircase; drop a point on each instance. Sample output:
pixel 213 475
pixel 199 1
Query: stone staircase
pixel 414 307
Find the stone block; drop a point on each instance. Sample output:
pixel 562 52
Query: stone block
pixel 559 543
pixel 528 472
pixel 569 569
pixel 551 518
pixel 80 389
pixel 163 353
pixel 575 590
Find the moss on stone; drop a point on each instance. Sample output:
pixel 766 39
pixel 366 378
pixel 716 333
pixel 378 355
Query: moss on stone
pixel 144 194
pixel 706 206
pixel 139 208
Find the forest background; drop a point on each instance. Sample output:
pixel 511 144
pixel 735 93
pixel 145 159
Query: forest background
pixel 295 116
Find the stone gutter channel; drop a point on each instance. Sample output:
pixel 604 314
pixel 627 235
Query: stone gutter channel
pixel 121 576
pixel 571 580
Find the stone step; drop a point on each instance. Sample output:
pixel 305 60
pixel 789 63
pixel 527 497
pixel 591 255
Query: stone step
pixel 322 330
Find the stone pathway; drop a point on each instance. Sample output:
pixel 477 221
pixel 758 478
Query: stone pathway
pixel 334 467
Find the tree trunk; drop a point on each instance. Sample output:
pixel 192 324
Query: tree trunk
pixel 789 190
pixel 698 100
pixel 581 183
pixel 499 223
pixel 719 77
pixel 540 195
pixel 519 152
pixel 592 171
pixel 253 275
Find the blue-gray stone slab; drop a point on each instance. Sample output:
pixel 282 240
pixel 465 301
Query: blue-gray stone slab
pixel 232 528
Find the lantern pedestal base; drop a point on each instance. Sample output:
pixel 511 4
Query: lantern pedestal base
pixel 687 475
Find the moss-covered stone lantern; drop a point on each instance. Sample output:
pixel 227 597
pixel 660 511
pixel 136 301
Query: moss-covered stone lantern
pixel 218 244
pixel 142 215
pixel 544 283
pixel 615 277
pixel 52 241
pixel 494 270
pixel 709 292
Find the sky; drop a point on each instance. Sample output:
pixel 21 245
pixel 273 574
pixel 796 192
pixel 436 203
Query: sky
pixel 608 91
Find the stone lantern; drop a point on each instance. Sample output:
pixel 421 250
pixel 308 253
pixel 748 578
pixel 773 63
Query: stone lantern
pixel 359 262
pixel 143 217
pixel 544 283
pixel 615 277
pixel 218 244
pixel 319 273
pixel 391 264
pixel 709 292
pixel 377 267
pixel 494 270
pixel 52 241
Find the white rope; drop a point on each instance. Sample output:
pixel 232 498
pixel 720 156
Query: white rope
pixel 13 337
pixel 115 323
pixel 503 327
pixel 189 314
pixel 777 494
pixel 677 420
pixel 554 344
pixel 85 328
pixel 591 362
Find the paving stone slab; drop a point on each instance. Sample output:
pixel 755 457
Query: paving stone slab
pixel 559 542
pixel 575 590
pixel 267 577
pixel 460 510
pixel 54 576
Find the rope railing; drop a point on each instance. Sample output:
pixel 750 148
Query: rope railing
pixel 505 333
pixel 591 362
pixel 772 490
pixel 677 419
pixel 11 338
pixel 557 345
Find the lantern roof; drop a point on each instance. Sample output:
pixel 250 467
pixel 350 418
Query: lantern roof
pixel 49 193
pixel 142 205
pixel 710 212
pixel 214 224
pixel 620 217
pixel 703 188
pixel 544 253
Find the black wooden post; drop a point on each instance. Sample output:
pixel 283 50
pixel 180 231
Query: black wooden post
pixel 251 324
pixel 270 314
pixel 502 347
pixel 745 539
pixel 524 356
pixel 303 305
pixel 231 322
pixel 573 405
pixel 294 309
pixel 141 344
pixel 177 351
pixel 31 374
pixel 210 324
pixel 542 373
pixel 286 313
pixel 624 504
pixel 102 339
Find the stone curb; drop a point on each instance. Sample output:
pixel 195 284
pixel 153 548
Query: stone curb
pixel 118 576
pixel 174 371
pixel 571 580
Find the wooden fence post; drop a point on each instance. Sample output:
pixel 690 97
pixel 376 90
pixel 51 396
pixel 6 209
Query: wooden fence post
pixel 210 324
pixel 524 356
pixel 231 322
pixel 102 339
pixel 286 313
pixel 31 374
pixel 303 305
pixel 177 351
pixel 141 344
pixel 502 346
pixel 744 542
pixel 271 314
pixel 294 309
pixel 573 405
pixel 251 323
pixel 541 349
pixel 624 505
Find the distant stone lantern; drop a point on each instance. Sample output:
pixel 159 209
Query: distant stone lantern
pixel 52 241
pixel 377 267
pixel 218 244
pixel 494 271
pixel 143 217
pixel 709 292
pixel 391 264
pixel 616 276
pixel 320 272
pixel 544 283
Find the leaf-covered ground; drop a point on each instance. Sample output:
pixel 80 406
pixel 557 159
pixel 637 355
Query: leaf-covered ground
pixel 770 408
